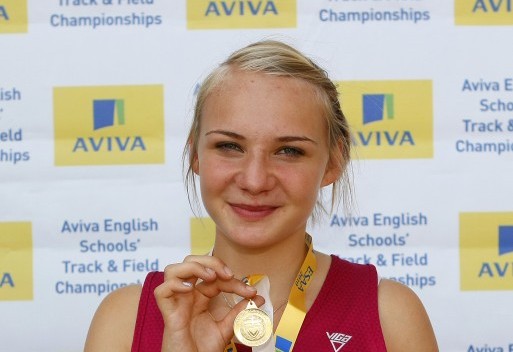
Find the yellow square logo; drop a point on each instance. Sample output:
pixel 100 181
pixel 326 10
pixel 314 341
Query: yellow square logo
pixel 223 14
pixel 16 273
pixel 486 251
pixel 110 125
pixel 203 232
pixel 389 119
pixel 483 12
pixel 13 16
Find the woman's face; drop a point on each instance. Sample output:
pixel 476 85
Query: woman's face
pixel 262 157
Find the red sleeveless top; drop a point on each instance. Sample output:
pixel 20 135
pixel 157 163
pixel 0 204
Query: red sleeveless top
pixel 343 318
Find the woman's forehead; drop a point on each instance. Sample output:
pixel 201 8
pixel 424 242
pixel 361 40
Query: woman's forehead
pixel 257 103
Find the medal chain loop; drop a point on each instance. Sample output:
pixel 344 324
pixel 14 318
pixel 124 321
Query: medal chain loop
pixel 274 311
pixel 295 310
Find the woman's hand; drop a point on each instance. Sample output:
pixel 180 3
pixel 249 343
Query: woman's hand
pixel 184 300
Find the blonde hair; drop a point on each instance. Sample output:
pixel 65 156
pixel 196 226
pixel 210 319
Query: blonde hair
pixel 277 58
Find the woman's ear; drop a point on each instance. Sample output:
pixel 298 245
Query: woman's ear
pixel 195 164
pixel 335 166
pixel 194 157
pixel 331 174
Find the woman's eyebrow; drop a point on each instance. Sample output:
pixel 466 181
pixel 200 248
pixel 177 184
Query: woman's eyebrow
pixel 296 139
pixel 226 133
pixel 279 139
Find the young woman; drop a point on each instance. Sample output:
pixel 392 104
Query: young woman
pixel 268 134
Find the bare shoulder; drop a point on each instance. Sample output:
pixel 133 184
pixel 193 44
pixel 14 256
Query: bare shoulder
pixel 112 327
pixel 404 321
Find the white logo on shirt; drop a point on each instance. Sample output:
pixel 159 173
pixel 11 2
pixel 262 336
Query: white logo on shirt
pixel 338 340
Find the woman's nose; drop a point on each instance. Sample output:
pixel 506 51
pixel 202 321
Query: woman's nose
pixel 256 174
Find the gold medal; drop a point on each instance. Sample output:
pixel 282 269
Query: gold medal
pixel 252 326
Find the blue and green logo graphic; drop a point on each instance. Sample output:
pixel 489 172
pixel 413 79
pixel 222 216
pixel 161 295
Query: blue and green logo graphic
pixel 390 119
pixel 376 106
pixel 505 239
pixel 486 251
pixel 109 125
pixel 105 110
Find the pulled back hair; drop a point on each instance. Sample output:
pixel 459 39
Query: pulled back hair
pixel 279 59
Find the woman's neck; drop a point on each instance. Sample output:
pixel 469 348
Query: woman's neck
pixel 280 262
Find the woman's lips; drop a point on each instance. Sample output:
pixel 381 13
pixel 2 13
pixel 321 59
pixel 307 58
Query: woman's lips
pixel 253 212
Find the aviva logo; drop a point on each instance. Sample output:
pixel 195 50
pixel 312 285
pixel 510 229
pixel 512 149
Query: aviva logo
pixel 390 119
pixel 13 16
pixel 109 125
pixel 376 106
pixel 16 275
pixel 483 12
pixel 233 14
pixel 203 232
pixel 105 110
pixel 486 251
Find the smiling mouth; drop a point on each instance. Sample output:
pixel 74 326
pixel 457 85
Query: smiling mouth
pixel 252 212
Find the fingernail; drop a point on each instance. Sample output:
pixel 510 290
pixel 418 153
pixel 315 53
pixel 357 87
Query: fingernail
pixel 228 271
pixel 251 288
pixel 209 271
pixel 187 283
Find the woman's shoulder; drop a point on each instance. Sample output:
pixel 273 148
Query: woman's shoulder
pixel 113 324
pixel 404 321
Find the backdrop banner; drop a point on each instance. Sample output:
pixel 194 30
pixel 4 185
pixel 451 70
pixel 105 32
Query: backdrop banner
pixel 96 97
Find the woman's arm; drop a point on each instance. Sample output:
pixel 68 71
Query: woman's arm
pixel 112 327
pixel 404 321
pixel 184 300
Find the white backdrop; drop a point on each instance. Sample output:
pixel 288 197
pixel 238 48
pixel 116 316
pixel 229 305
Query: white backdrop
pixel 432 179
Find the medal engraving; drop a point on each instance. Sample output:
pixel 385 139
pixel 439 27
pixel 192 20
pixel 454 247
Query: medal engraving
pixel 252 326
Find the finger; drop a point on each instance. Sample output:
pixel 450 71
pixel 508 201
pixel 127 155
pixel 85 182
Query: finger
pixel 181 278
pixel 186 270
pixel 214 288
pixel 214 263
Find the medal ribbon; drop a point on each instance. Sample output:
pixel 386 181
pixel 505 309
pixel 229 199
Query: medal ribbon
pixel 295 311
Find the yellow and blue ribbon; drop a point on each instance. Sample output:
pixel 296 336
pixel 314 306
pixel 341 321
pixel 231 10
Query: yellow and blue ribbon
pixel 295 311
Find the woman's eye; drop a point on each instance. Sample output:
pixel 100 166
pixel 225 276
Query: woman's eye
pixel 291 151
pixel 228 146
